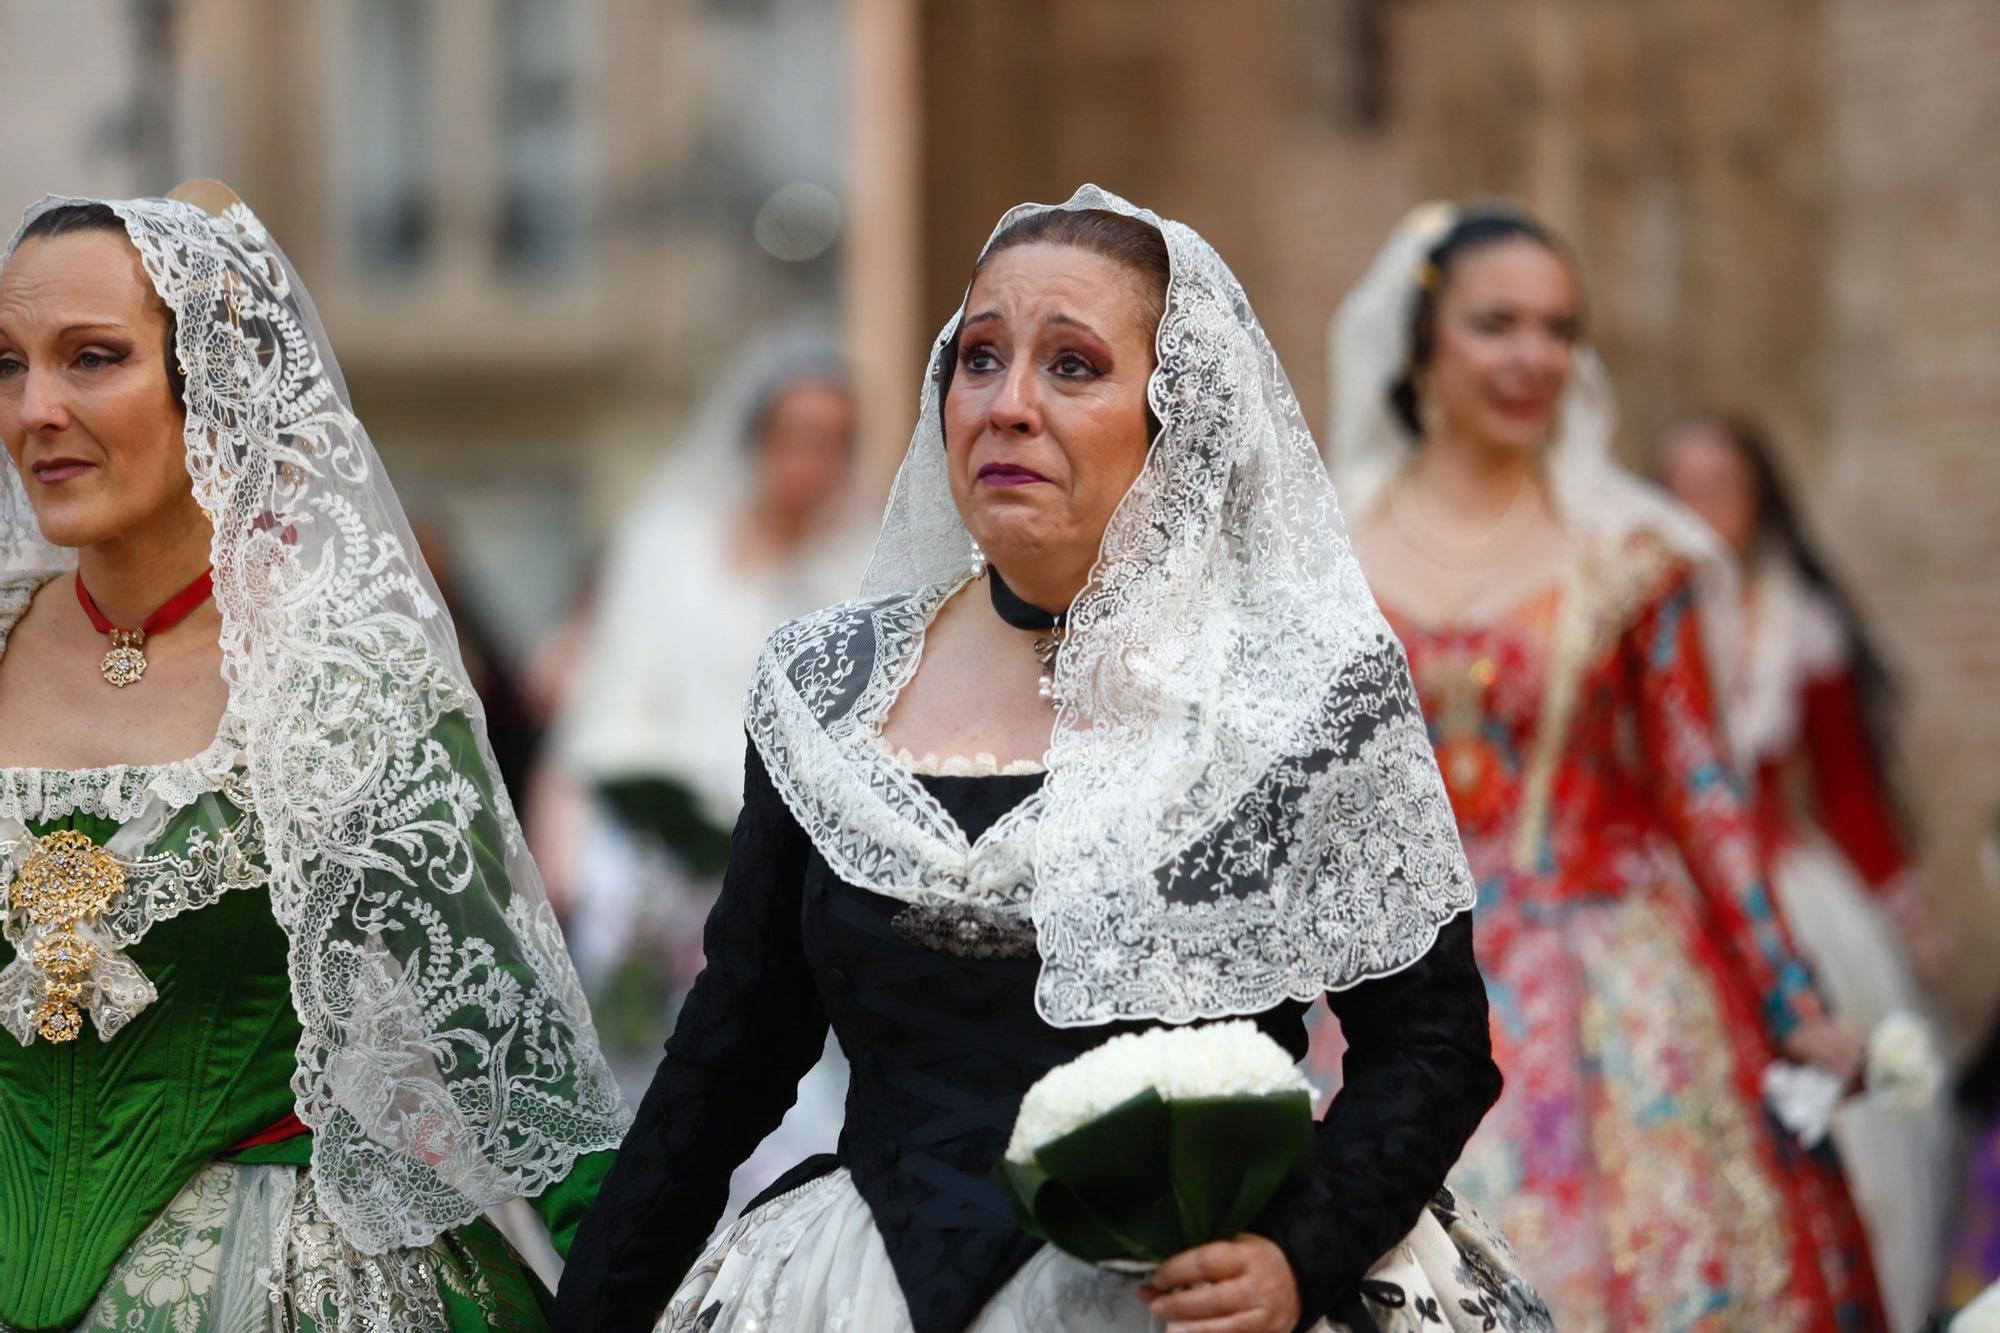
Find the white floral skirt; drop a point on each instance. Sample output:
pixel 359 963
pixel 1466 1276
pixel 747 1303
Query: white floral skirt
pixel 811 1259
pixel 246 1249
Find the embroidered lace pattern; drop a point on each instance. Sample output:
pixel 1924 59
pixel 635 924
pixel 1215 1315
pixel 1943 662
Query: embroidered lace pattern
pixel 250 1249
pixel 871 819
pixel 447 1061
pixel 1241 804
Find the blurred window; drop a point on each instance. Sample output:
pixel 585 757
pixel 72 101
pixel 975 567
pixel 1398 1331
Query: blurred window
pixel 395 217
pixel 540 225
pixel 1344 49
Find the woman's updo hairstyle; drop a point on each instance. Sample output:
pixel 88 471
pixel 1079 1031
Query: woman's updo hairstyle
pixel 1137 245
pixel 72 219
pixel 1475 230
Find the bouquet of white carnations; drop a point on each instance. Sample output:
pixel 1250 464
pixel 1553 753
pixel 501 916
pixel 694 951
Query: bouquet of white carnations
pixel 1158 1141
pixel 1901 1070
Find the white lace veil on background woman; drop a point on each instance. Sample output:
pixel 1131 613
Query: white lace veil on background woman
pixel 674 635
pixel 1241 803
pixel 447 1061
pixel 1597 500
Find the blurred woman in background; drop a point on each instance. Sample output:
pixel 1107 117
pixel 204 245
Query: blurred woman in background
pixel 1806 700
pixel 1561 619
pixel 746 524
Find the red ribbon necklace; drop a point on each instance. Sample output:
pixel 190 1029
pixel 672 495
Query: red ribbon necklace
pixel 126 661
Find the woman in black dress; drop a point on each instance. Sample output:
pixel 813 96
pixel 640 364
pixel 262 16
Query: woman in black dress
pixel 1115 737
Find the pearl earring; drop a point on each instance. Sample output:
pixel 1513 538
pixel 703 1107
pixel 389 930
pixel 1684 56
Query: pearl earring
pixel 978 560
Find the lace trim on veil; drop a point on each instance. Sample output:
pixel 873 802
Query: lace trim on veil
pixel 815 710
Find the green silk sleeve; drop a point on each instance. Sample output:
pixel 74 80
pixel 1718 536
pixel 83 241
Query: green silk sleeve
pixel 562 1206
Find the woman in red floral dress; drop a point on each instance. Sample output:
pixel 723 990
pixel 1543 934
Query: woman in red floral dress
pixel 1560 618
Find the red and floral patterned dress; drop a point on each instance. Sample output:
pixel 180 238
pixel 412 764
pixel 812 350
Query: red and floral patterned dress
pixel 1638 973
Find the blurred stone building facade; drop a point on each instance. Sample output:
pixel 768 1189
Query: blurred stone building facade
pixel 535 227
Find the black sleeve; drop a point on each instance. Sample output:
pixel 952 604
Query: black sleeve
pixel 750 1029
pixel 1417 1078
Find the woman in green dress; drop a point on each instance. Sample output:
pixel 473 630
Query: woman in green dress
pixel 285 1010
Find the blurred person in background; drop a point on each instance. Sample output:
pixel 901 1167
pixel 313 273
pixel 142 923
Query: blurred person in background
pixel 746 524
pixel 1561 619
pixel 284 1012
pixel 1807 704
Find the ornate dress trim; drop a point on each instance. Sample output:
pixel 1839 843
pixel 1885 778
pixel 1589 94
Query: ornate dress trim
pixel 70 907
pixel 1607 586
pixel 980 765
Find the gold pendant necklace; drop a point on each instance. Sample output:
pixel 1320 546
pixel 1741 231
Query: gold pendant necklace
pixel 125 664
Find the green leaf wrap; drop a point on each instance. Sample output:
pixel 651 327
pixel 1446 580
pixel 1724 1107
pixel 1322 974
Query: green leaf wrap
pixel 1150 1178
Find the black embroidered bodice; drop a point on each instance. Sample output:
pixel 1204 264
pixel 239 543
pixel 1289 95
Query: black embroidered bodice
pixel 935 1011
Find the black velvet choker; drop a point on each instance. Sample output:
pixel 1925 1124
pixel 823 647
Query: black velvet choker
pixel 1010 607
pixel 1014 610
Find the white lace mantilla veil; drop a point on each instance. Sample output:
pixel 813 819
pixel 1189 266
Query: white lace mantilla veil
pixel 1368 348
pixel 1241 803
pixel 447 1061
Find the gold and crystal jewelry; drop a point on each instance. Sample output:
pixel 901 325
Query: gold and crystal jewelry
pixel 1430 412
pixel 1458 680
pixel 125 664
pixel 66 881
pixel 64 959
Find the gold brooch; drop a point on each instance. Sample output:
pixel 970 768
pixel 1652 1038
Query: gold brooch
pixel 66 880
